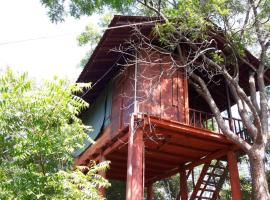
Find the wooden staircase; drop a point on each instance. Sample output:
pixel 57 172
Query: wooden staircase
pixel 210 181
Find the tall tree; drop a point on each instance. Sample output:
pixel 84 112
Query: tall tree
pixel 241 23
pixel 39 132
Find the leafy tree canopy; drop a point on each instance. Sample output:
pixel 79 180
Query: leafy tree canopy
pixel 39 132
pixel 59 9
pixel 92 34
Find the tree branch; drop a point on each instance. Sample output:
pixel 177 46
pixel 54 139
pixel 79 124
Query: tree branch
pixel 202 89
pixel 244 113
pixel 231 81
pixel 252 87
pixel 151 7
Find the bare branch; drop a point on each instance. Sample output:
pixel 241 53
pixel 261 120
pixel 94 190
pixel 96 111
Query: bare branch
pixel 151 7
pixel 246 20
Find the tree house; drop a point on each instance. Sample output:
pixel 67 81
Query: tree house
pixel 151 124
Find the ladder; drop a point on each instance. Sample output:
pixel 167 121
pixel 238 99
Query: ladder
pixel 210 181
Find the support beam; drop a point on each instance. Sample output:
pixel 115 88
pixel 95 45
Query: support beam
pixel 184 129
pixel 150 192
pixel 234 176
pixel 207 158
pixel 116 145
pixel 183 184
pixel 103 174
pixel 169 156
pixel 135 164
pixel 184 139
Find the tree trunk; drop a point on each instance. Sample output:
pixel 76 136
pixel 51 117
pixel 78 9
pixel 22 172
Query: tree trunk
pixel 259 181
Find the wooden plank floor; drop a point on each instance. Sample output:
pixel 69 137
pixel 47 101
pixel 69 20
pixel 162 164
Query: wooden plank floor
pixel 168 145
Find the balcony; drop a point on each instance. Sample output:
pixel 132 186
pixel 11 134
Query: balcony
pixel 207 121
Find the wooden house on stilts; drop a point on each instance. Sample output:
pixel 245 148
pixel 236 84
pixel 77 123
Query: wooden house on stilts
pixel 152 124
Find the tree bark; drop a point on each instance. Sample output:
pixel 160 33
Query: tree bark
pixel 259 181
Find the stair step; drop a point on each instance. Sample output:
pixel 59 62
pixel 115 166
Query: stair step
pixel 216 166
pixel 209 183
pixel 213 174
pixel 198 197
pixel 208 190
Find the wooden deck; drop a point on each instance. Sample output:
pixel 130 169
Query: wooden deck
pixel 168 145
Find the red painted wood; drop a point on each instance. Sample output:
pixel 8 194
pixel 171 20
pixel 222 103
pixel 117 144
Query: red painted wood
pixel 234 176
pixel 122 100
pixel 137 162
pixel 148 84
pixel 84 158
pixel 116 106
pixel 103 174
pixel 169 125
pixel 184 151
pixel 116 144
pixel 192 142
pixel 183 184
pixel 150 192
pixel 200 180
pixel 160 89
pixel 135 171
pixel 129 159
pixel 208 158
pixel 175 89
pixel 128 95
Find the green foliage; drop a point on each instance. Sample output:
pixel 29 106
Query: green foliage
pixel 39 132
pixel 246 190
pixel 117 191
pixel 85 58
pixel 216 57
pixel 77 185
pixel 92 34
pixel 167 188
pixel 196 19
pixel 59 9
pixel 165 32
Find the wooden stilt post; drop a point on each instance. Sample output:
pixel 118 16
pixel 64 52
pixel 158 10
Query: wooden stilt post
pixel 150 192
pixel 183 184
pixel 135 164
pixel 103 174
pixel 234 176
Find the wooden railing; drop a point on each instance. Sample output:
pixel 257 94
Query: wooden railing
pixel 207 121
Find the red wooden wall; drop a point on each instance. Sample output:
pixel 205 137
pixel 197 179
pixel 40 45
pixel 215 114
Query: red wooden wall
pixel 122 100
pixel 161 91
pixel 161 88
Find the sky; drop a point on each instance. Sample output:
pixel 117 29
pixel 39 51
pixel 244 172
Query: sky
pixel 57 54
